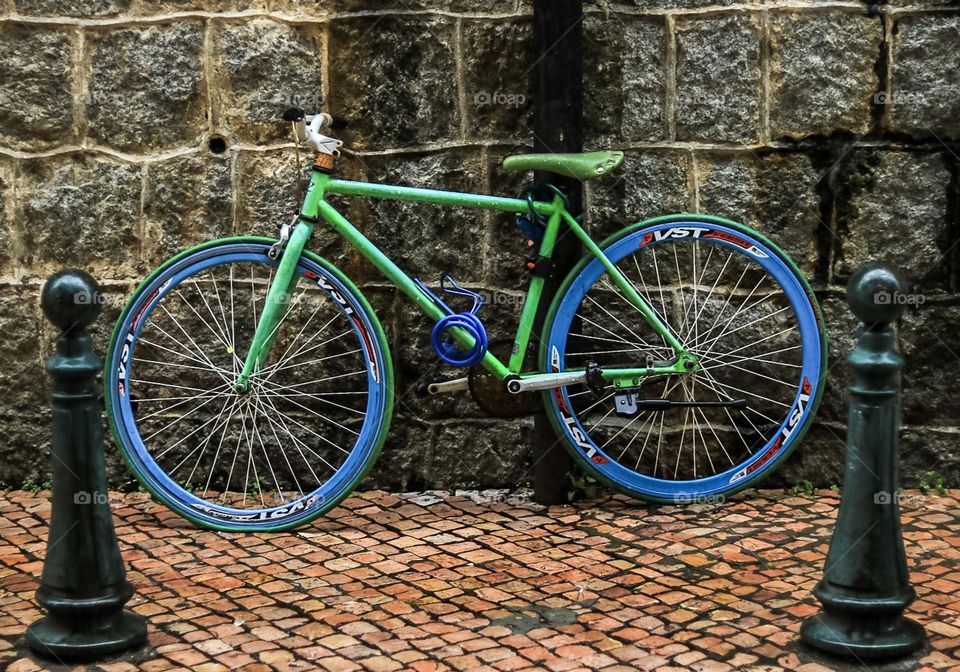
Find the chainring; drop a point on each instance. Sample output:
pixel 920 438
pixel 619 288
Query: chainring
pixel 491 394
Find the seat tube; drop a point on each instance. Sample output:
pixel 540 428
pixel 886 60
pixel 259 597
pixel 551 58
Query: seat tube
pixel 535 291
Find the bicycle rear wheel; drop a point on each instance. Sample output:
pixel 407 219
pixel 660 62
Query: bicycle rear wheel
pixel 293 445
pixel 737 303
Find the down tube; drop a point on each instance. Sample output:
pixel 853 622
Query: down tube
pixel 395 274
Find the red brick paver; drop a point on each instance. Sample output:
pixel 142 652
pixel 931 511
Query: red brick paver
pixel 383 583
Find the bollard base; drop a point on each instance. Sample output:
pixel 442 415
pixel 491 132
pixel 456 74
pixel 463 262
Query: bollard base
pixel 54 637
pixel 863 638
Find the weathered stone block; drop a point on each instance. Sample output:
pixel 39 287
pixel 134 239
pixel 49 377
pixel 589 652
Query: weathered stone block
pixel 267 191
pixel 926 92
pixel 929 342
pixel 649 183
pixel 892 207
pixel 465 6
pixel 403 458
pixel 606 5
pixel 7 213
pixel 818 458
pixel 265 68
pixel 483 454
pixel 924 450
pixel 427 240
pixel 154 7
pixel 623 78
pixel 114 294
pixel 186 201
pixel 718 79
pixel 36 100
pixel 398 86
pixel 822 76
pixel 80 211
pixel 499 100
pixel 773 193
pixel 921 3
pixel 87 9
pixel 842 335
pixel 25 451
pixel 301 8
pixel 146 88
pixel 21 365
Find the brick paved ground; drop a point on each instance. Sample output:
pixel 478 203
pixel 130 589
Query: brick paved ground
pixel 390 582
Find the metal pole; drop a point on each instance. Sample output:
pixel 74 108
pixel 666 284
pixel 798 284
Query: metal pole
pixel 83 587
pixel 557 127
pixel 866 587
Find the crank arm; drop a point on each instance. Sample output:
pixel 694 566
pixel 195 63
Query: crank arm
pixel 544 381
pixel 443 386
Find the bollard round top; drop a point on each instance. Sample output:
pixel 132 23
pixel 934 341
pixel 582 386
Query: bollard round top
pixel 71 299
pixel 875 294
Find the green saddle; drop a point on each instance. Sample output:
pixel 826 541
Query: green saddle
pixel 582 166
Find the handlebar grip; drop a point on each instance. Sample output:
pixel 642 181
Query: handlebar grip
pixel 293 114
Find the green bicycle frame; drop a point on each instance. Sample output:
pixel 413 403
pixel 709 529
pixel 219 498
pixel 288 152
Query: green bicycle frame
pixel 315 207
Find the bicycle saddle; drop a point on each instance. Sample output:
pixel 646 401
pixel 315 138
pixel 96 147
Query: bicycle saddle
pixel 582 166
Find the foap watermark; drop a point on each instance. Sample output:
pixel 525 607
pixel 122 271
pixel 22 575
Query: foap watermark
pixel 709 500
pixel 522 497
pixel 884 298
pixel 88 298
pixel 484 98
pixel 84 497
pixel 884 497
pixel 904 98
pixel 305 101
pixel 502 298
pixel 700 99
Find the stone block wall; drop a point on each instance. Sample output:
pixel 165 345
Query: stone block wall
pixel 130 129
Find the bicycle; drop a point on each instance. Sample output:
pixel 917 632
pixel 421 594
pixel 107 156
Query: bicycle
pixel 682 358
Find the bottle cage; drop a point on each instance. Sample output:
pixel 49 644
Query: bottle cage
pixel 443 343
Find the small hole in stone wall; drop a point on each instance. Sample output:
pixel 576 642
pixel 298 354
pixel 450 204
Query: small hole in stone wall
pixel 217 144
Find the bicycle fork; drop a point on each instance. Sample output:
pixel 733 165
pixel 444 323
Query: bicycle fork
pixel 275 306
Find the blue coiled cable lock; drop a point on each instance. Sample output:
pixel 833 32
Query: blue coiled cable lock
pixel 443 342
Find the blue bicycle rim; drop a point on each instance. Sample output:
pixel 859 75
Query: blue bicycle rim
pixel 761 460
pixel 180 499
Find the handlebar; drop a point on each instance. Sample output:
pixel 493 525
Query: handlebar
pixel 307 129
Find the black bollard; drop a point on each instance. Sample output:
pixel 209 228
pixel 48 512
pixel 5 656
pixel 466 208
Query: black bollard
pixel 83 587
pixel 865 586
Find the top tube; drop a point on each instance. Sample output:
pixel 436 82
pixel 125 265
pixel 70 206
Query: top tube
pixel 437 196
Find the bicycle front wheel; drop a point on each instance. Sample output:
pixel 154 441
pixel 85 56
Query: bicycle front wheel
pixel 314 416
pixel 736 302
